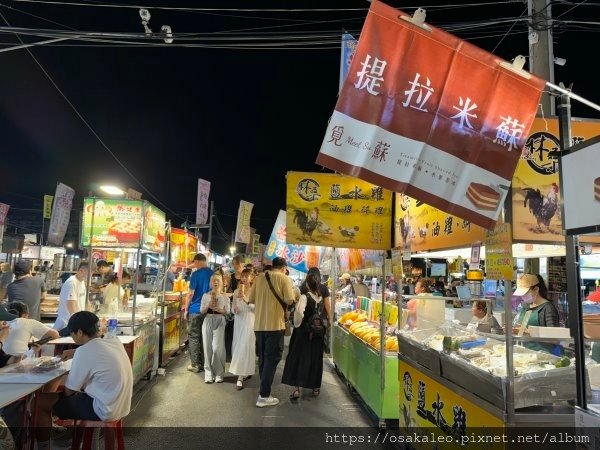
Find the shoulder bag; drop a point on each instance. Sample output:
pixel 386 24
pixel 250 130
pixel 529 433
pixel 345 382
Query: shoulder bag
pixel 288 327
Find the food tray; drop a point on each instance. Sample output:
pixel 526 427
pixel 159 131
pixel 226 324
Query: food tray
pixel 420 354
pixel 483 384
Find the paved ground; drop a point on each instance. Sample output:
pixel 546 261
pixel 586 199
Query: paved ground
pixel 180 411
pixel 182 399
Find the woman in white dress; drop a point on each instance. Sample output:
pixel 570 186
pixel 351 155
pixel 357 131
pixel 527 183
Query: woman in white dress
pixel 243 352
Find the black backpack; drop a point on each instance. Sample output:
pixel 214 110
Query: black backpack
pixel 317 323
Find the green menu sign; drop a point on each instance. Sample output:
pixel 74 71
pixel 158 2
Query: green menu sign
pixel 111 223
pixel 154 228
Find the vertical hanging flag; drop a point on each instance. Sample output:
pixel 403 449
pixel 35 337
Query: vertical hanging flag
pixel 429 115
pixel 202 201
pixel 242 230
pixel 48 206
pixel 3 212
pixel 349 44
pixel 61 214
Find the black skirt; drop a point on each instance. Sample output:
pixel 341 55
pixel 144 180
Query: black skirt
pixel 304 362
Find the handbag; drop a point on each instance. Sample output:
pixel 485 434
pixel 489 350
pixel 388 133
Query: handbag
pixel 288 326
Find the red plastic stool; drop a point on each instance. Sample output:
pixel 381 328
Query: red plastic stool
pixel 83 433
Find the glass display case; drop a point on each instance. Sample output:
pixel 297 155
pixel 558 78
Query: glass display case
pixel 521 378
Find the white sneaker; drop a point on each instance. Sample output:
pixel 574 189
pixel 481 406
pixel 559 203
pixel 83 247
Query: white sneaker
pixel 192 368
pixel 266 401
pixel 218 379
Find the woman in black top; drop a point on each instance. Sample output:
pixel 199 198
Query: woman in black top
pixel 304 362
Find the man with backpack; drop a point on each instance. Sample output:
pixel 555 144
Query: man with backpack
pixel 272 292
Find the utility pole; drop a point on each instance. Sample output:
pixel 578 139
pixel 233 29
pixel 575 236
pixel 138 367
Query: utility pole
pixel 541 47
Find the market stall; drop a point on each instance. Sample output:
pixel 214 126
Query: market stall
pixel 135 231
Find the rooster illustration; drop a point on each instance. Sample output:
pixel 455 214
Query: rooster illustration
pixel 306 224
pixel 349 233
pixel 543 208
pixel 406 230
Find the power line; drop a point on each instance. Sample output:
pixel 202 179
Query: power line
pixel 76 111
pixel 37 17
pixel 509 30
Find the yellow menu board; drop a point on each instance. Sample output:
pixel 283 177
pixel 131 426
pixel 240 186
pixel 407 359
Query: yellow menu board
pixel 433 412
pixel 332 210
pixel 536 187
pixel 421 227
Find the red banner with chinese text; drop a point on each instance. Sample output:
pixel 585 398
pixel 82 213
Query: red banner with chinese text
pixel 427 114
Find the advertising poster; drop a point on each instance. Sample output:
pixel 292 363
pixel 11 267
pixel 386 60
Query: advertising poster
pixel 581 187
pixel 183 247
pixel 334 210
pixel 428 408
pixel 536 199
pixel 242 230
pixel 48 206
pixel 61 214
pixel 154 228
pixel 421 227
pixel 499 262
pixel 202 201
pixel 111 223
pixel 298 257
pixel 430 115
pixel 352 259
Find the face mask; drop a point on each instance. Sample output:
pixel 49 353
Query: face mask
pixel 528 298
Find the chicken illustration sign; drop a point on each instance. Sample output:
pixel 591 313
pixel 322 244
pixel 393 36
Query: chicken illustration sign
pixel 429 115
pixel 535 187
pixel 333 210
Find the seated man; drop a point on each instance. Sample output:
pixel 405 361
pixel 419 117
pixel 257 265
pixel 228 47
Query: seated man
pixel 99 385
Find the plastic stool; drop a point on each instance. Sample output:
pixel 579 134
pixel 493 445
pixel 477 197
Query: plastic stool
pixel 83 433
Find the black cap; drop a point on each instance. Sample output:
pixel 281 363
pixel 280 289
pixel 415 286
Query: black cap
pixel 85 321
pixel 22 267
pixel 102 263
pixel 5 315
pixel 278 263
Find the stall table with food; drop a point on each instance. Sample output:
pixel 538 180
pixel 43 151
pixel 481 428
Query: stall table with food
pixel 440 359
pixel 356 346
pixel 135 231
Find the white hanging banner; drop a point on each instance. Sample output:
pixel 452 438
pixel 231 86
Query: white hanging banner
pixel 61 214
pixel 242 230
pixel 202 201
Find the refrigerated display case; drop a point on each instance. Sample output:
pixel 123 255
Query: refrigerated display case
pixel 466 373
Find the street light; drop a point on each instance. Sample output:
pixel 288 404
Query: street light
pixel 112 190
pixel 232 250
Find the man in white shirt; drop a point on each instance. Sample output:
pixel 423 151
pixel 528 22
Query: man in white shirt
pixel 72 296
pixel 100 384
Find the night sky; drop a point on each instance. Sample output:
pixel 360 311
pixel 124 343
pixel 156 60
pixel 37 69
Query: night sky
pixel 240 118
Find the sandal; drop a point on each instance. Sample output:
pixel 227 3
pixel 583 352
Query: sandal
pixel 316 392
pixel 295 395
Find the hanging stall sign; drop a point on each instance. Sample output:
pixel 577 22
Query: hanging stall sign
pixel 536 213
pixel 242 230
pixel 202 201
pixel 581 188
pixel 183 247
pixel 334 210
pixel 3 212
pixel 111 223
pixel 61 214
pixel 48 206
pixel 298 257
pixel 431 412
pixel 352 259
pixel 425 113
pixel 499 262
pixel 421 227
pixel 154 228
